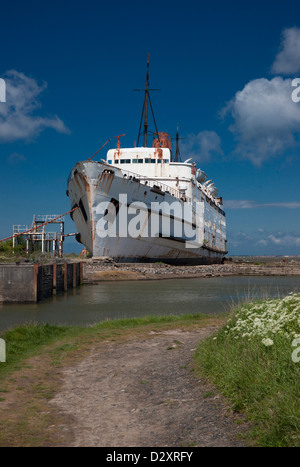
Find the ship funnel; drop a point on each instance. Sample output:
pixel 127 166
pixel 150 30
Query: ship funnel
pixel 162 140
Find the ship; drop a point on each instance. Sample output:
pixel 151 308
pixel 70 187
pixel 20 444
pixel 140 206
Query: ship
pixel 146 204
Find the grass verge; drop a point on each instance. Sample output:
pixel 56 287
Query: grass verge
pixel 254 361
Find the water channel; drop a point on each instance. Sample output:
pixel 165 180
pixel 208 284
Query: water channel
pixel 90 304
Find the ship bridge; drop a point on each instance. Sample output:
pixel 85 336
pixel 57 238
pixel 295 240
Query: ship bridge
pixel 150 162
pixel 144 161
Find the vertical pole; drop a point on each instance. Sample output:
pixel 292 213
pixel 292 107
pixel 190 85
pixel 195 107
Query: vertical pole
pixel 146 105
pixel 54 278
pixel 43 241
pixel 65 277
pixel 35 282
pixel 74 274
pixel 61 239
pixel 81 273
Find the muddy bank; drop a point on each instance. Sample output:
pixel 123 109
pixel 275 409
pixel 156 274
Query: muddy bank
pixel 97 270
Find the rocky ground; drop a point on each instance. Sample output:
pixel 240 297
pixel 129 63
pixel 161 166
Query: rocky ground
pixel 105 269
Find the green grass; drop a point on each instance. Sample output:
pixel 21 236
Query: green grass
pixel 24 341
pixel 262 381
pixel 27 340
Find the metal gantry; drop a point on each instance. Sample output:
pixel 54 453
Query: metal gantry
pixel 36 235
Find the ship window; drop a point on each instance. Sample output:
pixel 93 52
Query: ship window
pixel 153 161
pixel 125 161
pixel 134 161
pixel 159 161
pixel 140 161
pixel 116 161
pixel 166 161
pixel 109 161
pixel 147 161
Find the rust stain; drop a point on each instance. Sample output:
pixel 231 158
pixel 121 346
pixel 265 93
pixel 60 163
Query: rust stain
pixel 159 153
pixel 172 253
pixel 105 180
pixel 117 154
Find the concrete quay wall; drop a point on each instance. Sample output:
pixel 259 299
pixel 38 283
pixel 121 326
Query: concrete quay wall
pixel 31 283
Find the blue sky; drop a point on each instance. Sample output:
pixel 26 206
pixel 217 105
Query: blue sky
pixel 224 71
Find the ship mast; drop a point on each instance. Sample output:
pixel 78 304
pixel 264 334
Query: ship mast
pixel 177 154
pixel 146 105
pixel 177 157
pixel 144 117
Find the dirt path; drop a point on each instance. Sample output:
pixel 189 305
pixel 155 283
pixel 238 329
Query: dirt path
pixel 142 392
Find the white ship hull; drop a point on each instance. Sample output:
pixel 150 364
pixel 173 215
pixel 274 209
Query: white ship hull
pixel 92 184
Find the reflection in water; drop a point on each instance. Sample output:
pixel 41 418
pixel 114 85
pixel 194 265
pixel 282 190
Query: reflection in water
pixel 110 300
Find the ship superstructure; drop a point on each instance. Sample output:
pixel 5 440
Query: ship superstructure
pixel 145 204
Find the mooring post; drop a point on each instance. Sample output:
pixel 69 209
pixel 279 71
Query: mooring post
pixel 74 274
pixel 81 273
pixel 65 277
pixel 54 278
pixel 35 282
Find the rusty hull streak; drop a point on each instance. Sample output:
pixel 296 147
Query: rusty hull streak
pixel 172 254
pixel 105 180
pixel 86 185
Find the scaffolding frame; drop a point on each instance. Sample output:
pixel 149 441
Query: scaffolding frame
pixel 37 234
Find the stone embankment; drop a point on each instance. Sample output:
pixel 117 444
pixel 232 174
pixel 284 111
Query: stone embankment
pixel 97 270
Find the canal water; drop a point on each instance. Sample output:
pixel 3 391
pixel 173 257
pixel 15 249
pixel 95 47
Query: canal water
pixel 89 304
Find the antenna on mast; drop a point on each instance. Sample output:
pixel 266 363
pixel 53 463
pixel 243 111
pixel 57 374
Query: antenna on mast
pixel 177 157
pixel 144 117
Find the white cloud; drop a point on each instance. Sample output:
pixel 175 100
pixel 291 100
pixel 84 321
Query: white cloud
pixel 202 146
pixel 239 204
pixel 287 60
pixel 16 158
pixel 263 242
pixel 251 204
pixel 266 120
pixel 285 239
pixel 18 118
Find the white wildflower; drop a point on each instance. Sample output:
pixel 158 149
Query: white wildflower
pixel 267 342
pixel 271 317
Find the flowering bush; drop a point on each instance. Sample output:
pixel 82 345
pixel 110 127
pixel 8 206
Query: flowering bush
pixel 267 319
pixel 252 361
